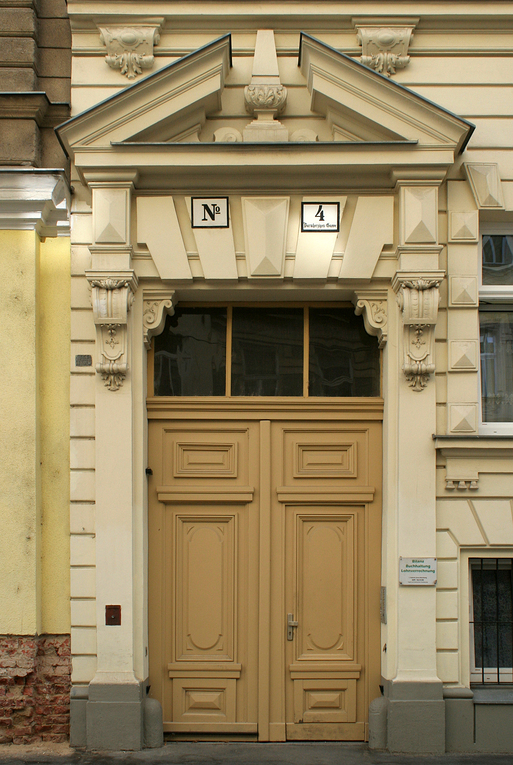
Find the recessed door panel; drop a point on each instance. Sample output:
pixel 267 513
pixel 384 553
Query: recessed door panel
pixel 325 574
pixel 205 596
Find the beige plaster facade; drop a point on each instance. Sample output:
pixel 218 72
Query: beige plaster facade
pixel 270 106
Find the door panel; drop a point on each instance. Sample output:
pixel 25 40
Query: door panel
pixel 253 517
pixel 328 477
pixel 203 575
pixel 324 583
pixel 205 601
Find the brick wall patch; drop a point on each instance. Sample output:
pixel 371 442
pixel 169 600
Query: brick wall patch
pixel 35 682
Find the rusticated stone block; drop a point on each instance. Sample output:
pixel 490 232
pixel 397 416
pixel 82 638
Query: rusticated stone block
pixel 15 20
pixel 20 143
pixel 52 9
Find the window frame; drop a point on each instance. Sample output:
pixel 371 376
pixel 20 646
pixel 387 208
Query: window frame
pixel 485 676
pixel 229 305
pixel 492 298
pixel 465 611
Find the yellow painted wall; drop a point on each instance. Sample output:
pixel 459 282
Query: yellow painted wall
pixel 34 459
pixel 54 345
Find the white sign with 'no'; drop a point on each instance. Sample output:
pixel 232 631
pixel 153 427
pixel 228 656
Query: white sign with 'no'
pixel 320 216
pixel 209 212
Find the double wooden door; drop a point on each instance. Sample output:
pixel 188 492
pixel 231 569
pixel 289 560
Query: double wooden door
pixel 264 572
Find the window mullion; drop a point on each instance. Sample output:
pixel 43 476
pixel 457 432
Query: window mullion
pixel 229 325
pixel 306 351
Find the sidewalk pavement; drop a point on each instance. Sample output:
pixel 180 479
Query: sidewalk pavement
pixel 209 753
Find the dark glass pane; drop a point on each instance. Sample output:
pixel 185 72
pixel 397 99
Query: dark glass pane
pixel 493 614
pixel 190 354
pixel 497 365
pixel 344 359
pixel 497 259
pixel 267 352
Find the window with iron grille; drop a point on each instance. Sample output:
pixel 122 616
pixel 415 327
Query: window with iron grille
pixel 491 620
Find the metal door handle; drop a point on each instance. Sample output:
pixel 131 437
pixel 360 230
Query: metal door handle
pixel 290 626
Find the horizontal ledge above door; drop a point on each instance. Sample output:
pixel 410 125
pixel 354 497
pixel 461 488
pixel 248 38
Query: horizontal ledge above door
pixel 323 494
pixel 192 666
pixel 210 727
pixel 324 666
pixel 204 674
pixel 325 675
pixel 212 494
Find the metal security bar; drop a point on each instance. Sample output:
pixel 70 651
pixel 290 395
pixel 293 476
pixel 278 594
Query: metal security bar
pixel 491 620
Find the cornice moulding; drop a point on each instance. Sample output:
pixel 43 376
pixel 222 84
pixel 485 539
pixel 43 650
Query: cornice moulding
pixel 338 83
pixel 216 166
pixel 33 105
pixel 35 201
pixel 192 84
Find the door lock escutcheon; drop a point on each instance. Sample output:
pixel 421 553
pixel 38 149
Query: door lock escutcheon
pixel 291 624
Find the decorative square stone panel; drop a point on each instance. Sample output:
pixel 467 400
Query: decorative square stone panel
pixel 463 291
pixel 463 418
pixel 464 226
pixel 463 355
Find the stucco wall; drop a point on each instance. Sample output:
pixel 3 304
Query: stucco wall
pixel 34 493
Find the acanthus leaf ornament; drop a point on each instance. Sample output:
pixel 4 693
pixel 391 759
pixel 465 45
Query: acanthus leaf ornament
pixel 418 298
pixel 385 49
pixel 157 304
pixel 269 98
pixel 130 49
pixel 112 296
pixel 372 305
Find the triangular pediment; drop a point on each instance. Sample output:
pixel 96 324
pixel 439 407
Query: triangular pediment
pixel 170 128
pixel 170 104
pixel 362 105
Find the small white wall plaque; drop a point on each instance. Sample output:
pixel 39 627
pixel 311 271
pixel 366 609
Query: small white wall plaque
pixel 320 216
pixel 209 212
pixel 417 571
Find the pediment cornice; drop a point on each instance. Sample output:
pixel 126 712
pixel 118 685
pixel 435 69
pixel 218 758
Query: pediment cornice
pixel 382 131
pixel 162 105
pixel 362 103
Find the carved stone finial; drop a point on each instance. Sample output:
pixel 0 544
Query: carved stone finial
pixel 418 297
pixel 385 48
pixel 112 297
pixel 372 305
pixel 265 97
pixel 130 49
pixel 157 304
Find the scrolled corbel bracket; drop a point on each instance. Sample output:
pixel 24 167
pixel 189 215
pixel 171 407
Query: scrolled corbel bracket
pixel 112 295
pixel 130 48
pixel 372 305
pixel 157 304
pixel 418 297
pixel 385 48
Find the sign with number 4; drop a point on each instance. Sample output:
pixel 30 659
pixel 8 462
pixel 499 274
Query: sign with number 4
pixel 320 216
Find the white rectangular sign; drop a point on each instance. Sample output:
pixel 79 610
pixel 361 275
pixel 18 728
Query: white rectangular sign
pixel 417 571
pixel 320 216
pixel 209 212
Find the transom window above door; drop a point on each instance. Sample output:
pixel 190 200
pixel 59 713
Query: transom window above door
pixel 265 351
